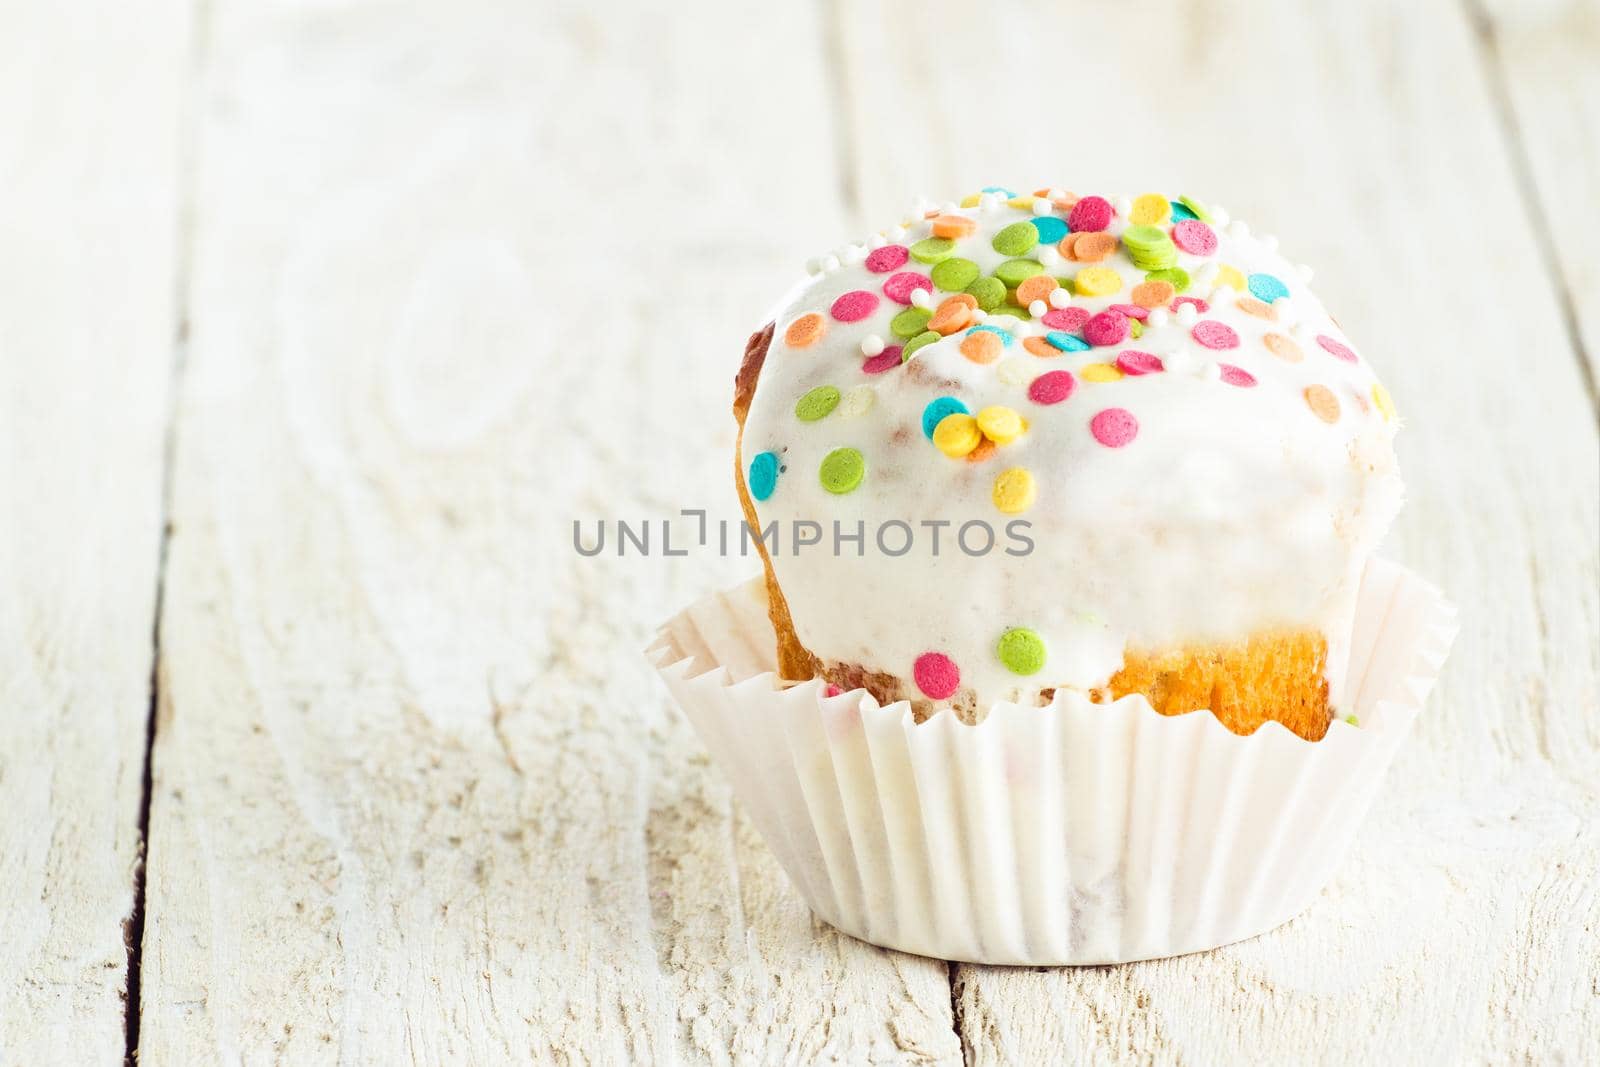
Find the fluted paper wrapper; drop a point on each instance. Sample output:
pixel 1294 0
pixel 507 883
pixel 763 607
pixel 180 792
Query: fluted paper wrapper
pixel 1075 834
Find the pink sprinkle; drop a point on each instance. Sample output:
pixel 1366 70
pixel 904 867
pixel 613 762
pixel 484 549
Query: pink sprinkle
pixel 831 690
pixel 1199 305
pixel 900 286
pixel 888 359
pixel 1337 348
pixel 888 258
pixel 1114 427
pixel 1070 319
pixel 936 675
pixel 1214 334
pixel 1237 375
pixel 1052 387
pixel 1194 237
pixel 1090 214
pixel 1133 311
pixel 1106 328
pixel 1134 363
pixel 855 305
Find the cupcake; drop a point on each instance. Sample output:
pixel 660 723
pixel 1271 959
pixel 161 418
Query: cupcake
pixel 1028 444
pixel 1070 647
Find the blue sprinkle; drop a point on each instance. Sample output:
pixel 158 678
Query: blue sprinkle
pixel 999 189
pixel 1266 288
pixel 1180 212
pixel 1051 229
pixel 763 475
pixel 936 411
pixel 1066 342
pixel 1004 334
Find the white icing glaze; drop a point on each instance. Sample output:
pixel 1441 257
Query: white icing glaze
pixel 1234 510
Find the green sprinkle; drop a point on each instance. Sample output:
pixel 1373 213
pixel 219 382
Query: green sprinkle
pixel 910 322
pixel 842 470
pixel 990 292
pixel 1150 248
pixel 1135 328
pixel 1195 206
pixel 1013 272
pixel 1145 237
pixel 1013 306
pixel 1176 275
pixel 1014 239
pixel 1352 720
pixel 932 249
pixel 817 403
pixel 921 340
pixel 1069 285
pixel 954 274
pixel 1021 650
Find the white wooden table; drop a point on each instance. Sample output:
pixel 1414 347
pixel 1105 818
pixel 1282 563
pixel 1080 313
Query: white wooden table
pixel 320 323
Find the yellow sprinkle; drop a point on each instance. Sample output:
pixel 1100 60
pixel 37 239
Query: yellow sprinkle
pixel 956 435
pixel 1383 401
pixel 1001 424
pixel 1231 277
pixel 1022 203
pixel 1014 490
pixel 1099 372
pixel 1097 281
pixel 1151 209
pixel 971 200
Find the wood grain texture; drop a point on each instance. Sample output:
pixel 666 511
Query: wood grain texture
pixel 89 106
pixel 1544 57
pixel 461 277
pixel 1464 927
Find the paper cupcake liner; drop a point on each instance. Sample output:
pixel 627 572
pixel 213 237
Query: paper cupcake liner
pixel 1075 834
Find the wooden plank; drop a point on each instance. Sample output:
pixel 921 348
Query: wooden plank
pixel 90 105
pixel 460 279
pixel 1463 928
pixel 1545 60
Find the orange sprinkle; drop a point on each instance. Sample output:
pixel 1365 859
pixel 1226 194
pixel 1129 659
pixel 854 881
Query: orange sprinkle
pixel 1323 404
pixel 805 331
pixel 1093 247
pixel 1153 294
pixel 1040 347
pixel 953 314
pixel 984 450
pixel 983 346
pixel 1038 287
pixel 953 226
pixel 1068 246
pixel 1282 347
pixel 1251 306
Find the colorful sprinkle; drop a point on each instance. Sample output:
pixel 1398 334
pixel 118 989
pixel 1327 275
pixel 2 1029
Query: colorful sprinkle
pixel 1051 387
pixel 920 341
pixel 1134 363
pixel 1014 491
pixel 1038 287
pixel 1153 294
pixel 1323 404
pixel 1194 237
pixel 842 470
pixel 1001 424
pixel 1066 342
pixel 1090 214
pixel 953 226
pixel 817 403
pixel 954 274
pixel 956 435
pixel 1335 348
pixel 1107 328
pixel 1230 277
pixel 763 475
pixel 1267 288
pixel 855 305
pixel 888 359
pixel 982 346
pixel 936 411
pixel 937 675
pixel 1013 272
pixel 1040 347
pixel 805 331
pixel 1251 306
pixel 1093 247
pixel 1383 401
pixel 910 322
pixel 1180 211
pixel 1132 311
pixel 1050 229
pixel 1196 208
pixel 953 314
pixel 1151 209
pixel 1193 301
pixel 1150 248
pixel 1236 376
pixel 1114 427
pixel 1067 318
pixel 888 258
pixel 1097 281
pixel 1176 277
pixel 1214 335
pixel 900 286
pixel 989 292
pixel 1021 650
pixel 1099 372
pixel 932 249
pixel 1283 347
pixel 1016 239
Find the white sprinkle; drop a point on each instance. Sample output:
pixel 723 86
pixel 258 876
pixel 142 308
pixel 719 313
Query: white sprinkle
pixel 1041 206
pixel 1038 308
pixel 1049 257
pixel 858 401
pixel 1159 317
pixel 1269 242
pixel 877 241
pixel 854 254
pixel 948 207
pixel 1122 206
pixel 1206 272
pixel 1237 228
pixel 1219 215
pixel 1059 297
pixel 899 233
pixel 1306 273
pixel 920 298
pixel 830 263
pixel 1222 294
pixel 988 202
pixel 871 345
pixel 1056 194
pixel 1187 314
pixel 980 315
pixel 1210 371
